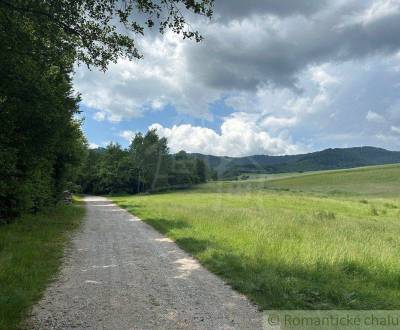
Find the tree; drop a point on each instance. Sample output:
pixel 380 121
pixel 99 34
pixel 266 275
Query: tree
pixel 150 155
pixel 100 31
pixel 187 170
pixel 113 170
pixel 88 177
pixel 40 139
pixel 201 170
pixel 143 167
pixel 182 171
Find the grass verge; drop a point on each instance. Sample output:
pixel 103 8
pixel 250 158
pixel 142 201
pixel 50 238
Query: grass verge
pixel 31 251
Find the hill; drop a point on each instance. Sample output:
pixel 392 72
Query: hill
pixel 329 159
pixel 382 181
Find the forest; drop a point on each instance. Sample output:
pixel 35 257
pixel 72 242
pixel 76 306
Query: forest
pixel 146 165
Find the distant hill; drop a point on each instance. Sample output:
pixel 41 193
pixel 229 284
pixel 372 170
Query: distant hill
pixel 329 159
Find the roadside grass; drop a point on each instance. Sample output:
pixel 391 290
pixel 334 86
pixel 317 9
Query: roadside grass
pixel 308 249
pixel 31 251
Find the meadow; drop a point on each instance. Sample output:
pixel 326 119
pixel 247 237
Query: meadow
pixel 31 251
pixel 324 240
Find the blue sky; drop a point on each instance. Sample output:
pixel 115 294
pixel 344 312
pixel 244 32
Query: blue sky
pixel 271 77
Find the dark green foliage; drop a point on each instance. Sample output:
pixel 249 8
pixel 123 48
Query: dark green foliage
pixel 100 31
pixel 201 170
pixel 150 161
pixel 145 166
pixel 40 140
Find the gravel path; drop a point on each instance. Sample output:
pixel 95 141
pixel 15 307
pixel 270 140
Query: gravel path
pixel 122 274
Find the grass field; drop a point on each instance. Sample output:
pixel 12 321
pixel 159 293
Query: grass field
pixel 314 241
pixel 30 255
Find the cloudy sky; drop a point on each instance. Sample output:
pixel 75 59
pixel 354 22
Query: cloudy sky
pixel 271 77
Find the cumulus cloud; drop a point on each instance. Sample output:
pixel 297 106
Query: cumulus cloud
pixel 267 49
pixel 240 135
pixel 296 69
pixel 378 10
pixel 93 146
pixel 258 44
pixel 374 117
pixel 131 88
pixel 278 122
pixel 99 116
pixel 395 129
pixel 127 135
pixel 280 109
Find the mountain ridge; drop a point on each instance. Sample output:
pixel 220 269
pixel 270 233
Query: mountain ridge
pixel 327 159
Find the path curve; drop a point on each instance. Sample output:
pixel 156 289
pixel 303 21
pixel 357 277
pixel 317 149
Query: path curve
pixel 119 273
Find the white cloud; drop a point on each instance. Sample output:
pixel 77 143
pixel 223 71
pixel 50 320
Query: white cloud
pixel 322 77
pixel 379 9
pixel 99 116
pixel 131 88
pixel 93 146
pixel 240 55
pixel 278 122
pixel 280 109
pixel 374 117
pixel 279 80
pixel 240 135
pixel 395 129
pixel 128 135
pixel 158 104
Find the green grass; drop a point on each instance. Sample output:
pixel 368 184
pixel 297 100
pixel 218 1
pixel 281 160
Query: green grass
pixel 371 181
pixel 378 181
pixel 31 251
pixel 315 241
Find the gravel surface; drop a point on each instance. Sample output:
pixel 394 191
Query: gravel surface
pixel 119 273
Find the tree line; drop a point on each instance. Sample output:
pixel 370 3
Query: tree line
pixel 146 165
pixel 41 143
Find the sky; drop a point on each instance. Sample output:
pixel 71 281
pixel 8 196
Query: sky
pixel 271 77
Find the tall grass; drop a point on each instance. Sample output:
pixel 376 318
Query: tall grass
pixel 286 249
pixel 30 255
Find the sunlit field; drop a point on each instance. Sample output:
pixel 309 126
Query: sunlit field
pixel 314 241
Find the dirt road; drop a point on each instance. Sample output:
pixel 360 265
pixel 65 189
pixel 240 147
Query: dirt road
pixel 119 273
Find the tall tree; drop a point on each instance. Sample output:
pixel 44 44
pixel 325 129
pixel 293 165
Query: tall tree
pixel 145 166
pixel 39 138
pixel 100 31
pixel 151 158
pixel 201 170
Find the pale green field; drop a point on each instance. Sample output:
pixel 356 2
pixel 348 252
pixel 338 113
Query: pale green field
pixel 315 241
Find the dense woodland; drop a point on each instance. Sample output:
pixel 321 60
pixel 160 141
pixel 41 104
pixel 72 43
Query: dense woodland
pixel 42 147
pixel 146 165
pixel 40 141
